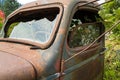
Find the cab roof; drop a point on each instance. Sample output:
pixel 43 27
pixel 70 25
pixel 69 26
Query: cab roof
pixel 65 3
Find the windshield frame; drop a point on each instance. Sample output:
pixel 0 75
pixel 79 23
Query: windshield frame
pixel 52 37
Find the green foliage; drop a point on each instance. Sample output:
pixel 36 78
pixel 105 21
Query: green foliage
pixel 112 60
pixel 11 28
pixel 1 23
pixel 110 12
pixel 9 6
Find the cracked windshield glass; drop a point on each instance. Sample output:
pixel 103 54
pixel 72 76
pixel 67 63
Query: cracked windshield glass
pixel 35 26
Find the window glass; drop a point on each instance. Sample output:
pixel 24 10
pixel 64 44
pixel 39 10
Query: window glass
pixel 83 34
pixel 83 29
pixel 36 26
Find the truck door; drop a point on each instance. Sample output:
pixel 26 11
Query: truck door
pixel 84 29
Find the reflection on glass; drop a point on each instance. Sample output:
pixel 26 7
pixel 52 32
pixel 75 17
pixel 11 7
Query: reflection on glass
pixel 35 30
pixel 81 35
pixel 36 26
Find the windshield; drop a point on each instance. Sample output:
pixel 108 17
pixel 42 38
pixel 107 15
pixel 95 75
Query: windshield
pixel 35 26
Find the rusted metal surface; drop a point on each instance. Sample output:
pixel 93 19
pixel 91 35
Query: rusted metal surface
pixel 27 60
pixel 30 56
pixel 87 71
pixel 30 10
pixel 15 68
pixel 35 4
pixel 38 61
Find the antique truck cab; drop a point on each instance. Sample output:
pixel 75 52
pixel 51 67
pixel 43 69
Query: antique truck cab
pixel 45 40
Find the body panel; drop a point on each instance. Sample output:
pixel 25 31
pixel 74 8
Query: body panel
pixel 15 68
pixel 84 64
pixel 40 61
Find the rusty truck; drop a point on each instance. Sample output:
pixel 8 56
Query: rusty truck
pixel 47 40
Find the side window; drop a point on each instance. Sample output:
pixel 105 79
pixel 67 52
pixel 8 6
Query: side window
pixel 83 29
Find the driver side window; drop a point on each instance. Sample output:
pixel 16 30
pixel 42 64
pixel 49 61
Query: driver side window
pixel 83 29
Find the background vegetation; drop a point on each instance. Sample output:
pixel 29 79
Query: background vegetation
pixel 8 6
pixel 110 12
pixel 1 23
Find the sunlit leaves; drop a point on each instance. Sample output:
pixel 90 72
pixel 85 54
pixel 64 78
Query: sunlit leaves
pixel 112 60
pixel 1 23
pixel 117 14
pixel 110 12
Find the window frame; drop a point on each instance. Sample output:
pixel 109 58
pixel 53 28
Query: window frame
pixel 82 25
pixel 78 49
pixel 55 30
